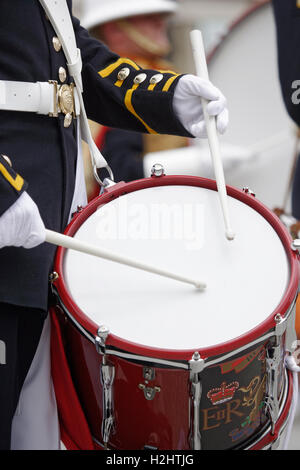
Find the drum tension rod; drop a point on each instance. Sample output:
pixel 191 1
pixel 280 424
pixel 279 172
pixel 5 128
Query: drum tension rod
pixel 107 377
pixel 274 369
pixel 196 365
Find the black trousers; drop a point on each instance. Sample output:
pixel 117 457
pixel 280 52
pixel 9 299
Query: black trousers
pixel 20 331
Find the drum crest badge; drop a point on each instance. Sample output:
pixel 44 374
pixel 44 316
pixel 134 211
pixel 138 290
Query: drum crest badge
pixel 238 404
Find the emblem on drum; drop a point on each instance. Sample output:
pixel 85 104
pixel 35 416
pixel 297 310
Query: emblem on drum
pixel 223 393
pixel 237 406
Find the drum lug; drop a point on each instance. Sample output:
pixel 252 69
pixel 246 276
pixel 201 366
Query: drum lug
pixel 296 245
pixel 247 190
pixel 274 367
pixel 157 170
pixel 107 375
pixel 100 340
pixel 281 324
pixel 196 365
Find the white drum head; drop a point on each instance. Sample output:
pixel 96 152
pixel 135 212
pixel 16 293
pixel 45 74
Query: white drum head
pixel 180 229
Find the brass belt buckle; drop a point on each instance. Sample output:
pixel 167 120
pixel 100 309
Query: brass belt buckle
pixel 63 101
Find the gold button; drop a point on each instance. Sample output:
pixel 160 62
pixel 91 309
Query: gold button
pixel 123 73
pixel 140 78
pixel 7 159
pixel 56 44
pixel 62 74
pixel 156 78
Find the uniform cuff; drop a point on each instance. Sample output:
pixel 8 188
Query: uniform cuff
pixel 12 185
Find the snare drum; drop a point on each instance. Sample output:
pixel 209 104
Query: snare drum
pixel 156 363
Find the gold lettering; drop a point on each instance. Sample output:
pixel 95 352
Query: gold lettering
pixel 221 415
pixel 207 417
pixel 231 408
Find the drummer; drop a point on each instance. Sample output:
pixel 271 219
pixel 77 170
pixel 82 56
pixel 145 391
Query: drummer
pixel 40 181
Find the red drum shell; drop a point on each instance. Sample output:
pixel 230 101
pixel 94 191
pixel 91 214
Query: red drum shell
pixel 164 422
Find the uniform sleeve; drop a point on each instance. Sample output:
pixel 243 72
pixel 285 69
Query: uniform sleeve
pixel 287 21
pixel 119 93
pixel 11 185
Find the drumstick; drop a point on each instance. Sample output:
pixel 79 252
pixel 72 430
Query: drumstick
pixel 210 121
pixel 65 241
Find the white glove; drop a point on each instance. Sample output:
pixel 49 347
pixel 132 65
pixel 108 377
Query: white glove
pixel 188 108
pixel 21 224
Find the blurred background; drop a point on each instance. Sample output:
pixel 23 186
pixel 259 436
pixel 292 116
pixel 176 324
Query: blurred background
pixel 261 147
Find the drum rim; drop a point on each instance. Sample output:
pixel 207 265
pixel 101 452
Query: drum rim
pixel 121 343
pixel 234 25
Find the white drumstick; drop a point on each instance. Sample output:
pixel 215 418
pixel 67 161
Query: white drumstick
pixel 210 121
pixel 73 244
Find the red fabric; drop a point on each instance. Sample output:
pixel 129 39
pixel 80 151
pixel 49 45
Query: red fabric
pixel 75 433
pixel 100 138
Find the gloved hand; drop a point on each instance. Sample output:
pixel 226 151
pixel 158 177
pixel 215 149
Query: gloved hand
pixel 21 224
pixel 188 108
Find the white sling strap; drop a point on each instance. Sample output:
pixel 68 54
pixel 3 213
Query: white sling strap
pixel 59 16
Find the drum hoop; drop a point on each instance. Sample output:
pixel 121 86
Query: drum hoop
pixel 234 25
pixel 122 188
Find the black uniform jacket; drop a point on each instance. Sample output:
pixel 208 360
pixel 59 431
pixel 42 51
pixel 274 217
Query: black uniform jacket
pixel 43 152
pixel 287 19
